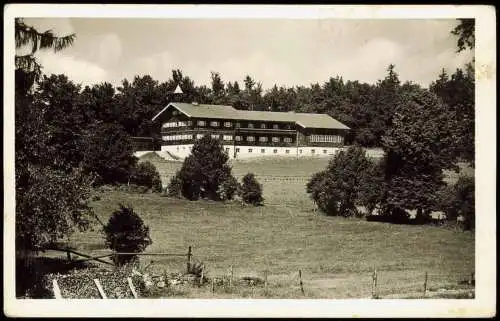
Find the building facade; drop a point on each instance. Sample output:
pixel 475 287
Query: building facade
pixel 248 133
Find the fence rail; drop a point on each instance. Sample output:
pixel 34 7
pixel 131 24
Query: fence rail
pixel 99 258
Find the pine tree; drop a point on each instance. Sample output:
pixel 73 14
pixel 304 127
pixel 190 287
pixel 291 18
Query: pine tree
pixel 205 170
pixel 251 190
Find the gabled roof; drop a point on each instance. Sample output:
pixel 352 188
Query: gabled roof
pixel 306 120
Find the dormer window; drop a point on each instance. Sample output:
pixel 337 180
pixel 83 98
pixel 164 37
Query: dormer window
pixel 263 126
pixel 250 125
pixel 275 126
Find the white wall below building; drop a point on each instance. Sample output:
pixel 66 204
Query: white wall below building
pixel 183 151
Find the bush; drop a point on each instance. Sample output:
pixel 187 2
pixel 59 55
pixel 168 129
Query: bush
pixel 205 170
pixel 126 232
pixel 146 174
pixel 174 188
pixel 228 188
pixel 336 190
pixel 459 200
pixel 318 188
pixel 251 190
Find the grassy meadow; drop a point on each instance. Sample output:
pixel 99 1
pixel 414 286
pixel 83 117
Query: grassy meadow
pixel 337 256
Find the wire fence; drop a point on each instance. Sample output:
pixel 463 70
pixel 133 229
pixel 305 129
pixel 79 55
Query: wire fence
pixel 263 178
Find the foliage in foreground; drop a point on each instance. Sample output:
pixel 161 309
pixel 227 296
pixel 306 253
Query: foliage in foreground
pixel 50 204
pixel 51 194
pixel 126 232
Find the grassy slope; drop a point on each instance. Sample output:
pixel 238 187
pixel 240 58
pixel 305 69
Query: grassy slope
pixel 336 255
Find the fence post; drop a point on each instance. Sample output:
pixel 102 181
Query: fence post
pixel 265 279
pixel 471 278
pixel 57 291
pixel 188 264
pixel 101 290
pixel 202 273
pixel 374 284
pixel 300 282
pixel 231 278
pixel 213 284
pixel 68 254
pixel 132 288
pixel 425 284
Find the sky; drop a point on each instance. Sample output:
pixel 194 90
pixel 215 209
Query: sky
pixel 273 51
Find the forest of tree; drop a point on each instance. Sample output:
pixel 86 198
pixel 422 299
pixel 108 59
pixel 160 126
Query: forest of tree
pixel 366 108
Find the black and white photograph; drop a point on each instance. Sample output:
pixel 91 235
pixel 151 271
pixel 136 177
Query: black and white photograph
pixel 225 160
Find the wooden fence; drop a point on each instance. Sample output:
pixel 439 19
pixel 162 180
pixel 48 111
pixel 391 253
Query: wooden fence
pixel 379 284
pixel 99 258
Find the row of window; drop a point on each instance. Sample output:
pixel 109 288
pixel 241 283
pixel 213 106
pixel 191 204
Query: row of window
pixel 275 151
pixel 177 137
pixel 313 151
pixel 227 124
pixel 263 151
pixel 262 139
pixel 325 139
pixel 177 124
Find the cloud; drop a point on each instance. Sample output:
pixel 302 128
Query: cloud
pixel 366 64
pixel 282 52
pixel 109 49
pixel 79 71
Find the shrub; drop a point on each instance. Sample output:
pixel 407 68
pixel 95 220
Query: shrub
pixel 228 188
pixel 318 187
pixel 126 232
pixel 205 170
pixel 146 174
pixel 459 200
pixel 251 190
pixel 336 189
pixel 174 188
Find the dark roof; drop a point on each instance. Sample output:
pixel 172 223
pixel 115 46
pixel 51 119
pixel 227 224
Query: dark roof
pixel 306 120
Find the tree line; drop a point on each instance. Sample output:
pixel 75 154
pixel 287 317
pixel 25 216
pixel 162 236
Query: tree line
pixel 366 108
